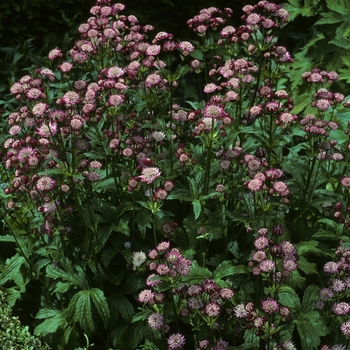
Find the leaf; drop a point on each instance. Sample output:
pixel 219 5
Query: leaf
pixel 50 325
pixel 306 266
pixel 227 269
pixel 143 220
pixel 309 298
pixel 304 8
pixel 197 274
pixel 310 328
pixel 121 305
pixel 75 278
pixel 12 268
pixel 288 297
pixel 79 310
pixel 306 247
pixel 197 208
pixel 101 304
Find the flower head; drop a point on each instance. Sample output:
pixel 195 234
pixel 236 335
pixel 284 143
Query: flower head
pixel 176 341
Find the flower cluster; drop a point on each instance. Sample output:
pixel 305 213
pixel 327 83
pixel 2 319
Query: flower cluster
pixel 272 259
pixel 333 299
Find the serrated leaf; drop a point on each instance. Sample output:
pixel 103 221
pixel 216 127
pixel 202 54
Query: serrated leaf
pixel 76 278
pixel 79 310
pixel 50 325
pixel 306 266
pixel 121 305
pixel 227 269
pixel 47 313
pixel 61 287
pixel 12 268
pixel 288 297
pixel 197 273
pixel 7 238
pixel 143 220
pixel 101 304
pixel 309 298
pixel 197 208
pixel 310 328
pixel 307 247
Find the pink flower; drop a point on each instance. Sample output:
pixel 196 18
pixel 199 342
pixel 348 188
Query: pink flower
pixel 209 88
pixel 155 320
pixel 176 341
pixel 254 185
pixel 45 183
pixel 146 296
pixel 39 109
pixel 148 175
pixel 71 98
pixel 212 309
pixel 270 306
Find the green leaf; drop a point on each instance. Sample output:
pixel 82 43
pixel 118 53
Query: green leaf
pixel 197 273
pixel 143 220
pixel 101 304
pixel 76 278
pixel 310 328
pixel 306 266
pixel 309 298
pixel 79 310
pixel 50 325
pixel 121 305
pixel 197 208
pixel 12 268
pixel 226 269
pixel 308 247
pixel 288 297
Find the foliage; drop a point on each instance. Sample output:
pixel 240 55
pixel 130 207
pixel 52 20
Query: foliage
pixel 12 334
pixel 149 213
pixel 326 43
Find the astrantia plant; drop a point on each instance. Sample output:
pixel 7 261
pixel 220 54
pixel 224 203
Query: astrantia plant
pixel 144 218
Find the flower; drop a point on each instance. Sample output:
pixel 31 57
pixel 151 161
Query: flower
pixel 270 306
pixel 138 258
pixel 212 309
pixel 345 328
pixel 145 296
pixel 176 341
pixel 155 320
pixel 148 175
pixel 341 308
pixel 45 183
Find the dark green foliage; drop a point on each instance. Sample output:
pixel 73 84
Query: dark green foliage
pixel 12 334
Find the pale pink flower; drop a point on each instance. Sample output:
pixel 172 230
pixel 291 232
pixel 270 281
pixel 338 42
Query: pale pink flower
pixel 148 175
